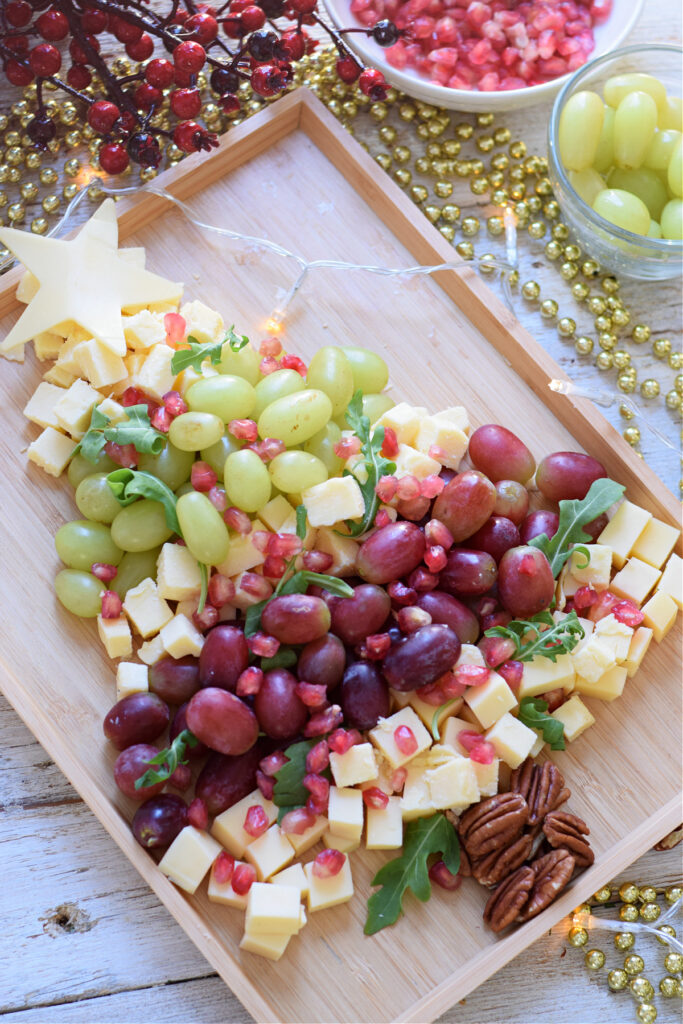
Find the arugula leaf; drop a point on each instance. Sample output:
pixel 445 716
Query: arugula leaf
pixel 236 341
pixel 285 658
pixel 559 638
pixel 136 430
pixel 301 522
pixel 375 463
pixel 574 515
pixel 289 791
pixel 93 441
pixel 435 717
pixel 195 355
pixel 532 713
pixel 168 759
pixel 422 837
pixel 203 593
pixel 129 484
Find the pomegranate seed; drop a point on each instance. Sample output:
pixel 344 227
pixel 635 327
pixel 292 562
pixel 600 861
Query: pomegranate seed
pixel 243 430
pixel 317 561
pixel 496 650
pixel 317 786
pixel 499 618
pixel 202 477
pixel 408 488
pixel 318 758
pixel 401 595
pixel 435 558
pixel 389 447
pixel 553 698
pixel 269 365
pixel 313 695
pixel 512 672
pixel 414 509
pixel 263 645
pixel 261 539
pixel 103 571
pixel 483 753
pixel 268 448
pixel 265 784
pixel 376 798
pixel 274 567
pixel 603 606
pixel 270 347
pixel 438 453
pixel 175 327
pixel 421 580
pixel 256 821
pixel 347 446
pixel 377 645
pixel 174 403
pixel 405 740
pixel 469 738
pixel 272 764
pixel 206 618
pixel 444 878
pixel 386 488
pixel 472 675
pixel 412 618
pixel 217 498
pixel 294 363
pixel 122 454
pixel 198 813
pixel 585 597
pixel 628 613
pixel 527 566
pixel 451 686
pixel 237 520
pixel 182 777
pixel 284 545
pixel 342 740
pixel 223 867
pixel 328 863
pixel 431 694
pixel 134 396
pixel 254 585
pixel 296 822
pixel 112 606
pixel 161 419
pixel 243 877
pixel 431 486
pixel 398 779
pixel 249 682
pixel 382 519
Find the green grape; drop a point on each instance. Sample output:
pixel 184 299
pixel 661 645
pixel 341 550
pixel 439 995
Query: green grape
pixel 623 209
pixel 247 481
pixel 95 500
pixel 81 542
pixel 634 128
pixel 370 372
pixel 276 385
pixel 620 86
pixel 587 184
pixel 672 219
pixel 171 465
pixel 330 371
pixel 194 430
pixel 662 149
pixel 295 418
pixel 226 396
pixel 375 406
pixel 654 231
pixel 185 488
pixel 322 446
pixel 671 114
pixel 244 363
pixel 80 592
pixel 674 174
pixel 296 471
pixel 134 567
pixel 579 132
pixel 204 531
pixel 217 453
pixel 140 526
pixel 604 154
pixel 644 183
pixel 80 467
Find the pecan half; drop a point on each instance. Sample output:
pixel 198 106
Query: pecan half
pixel 542 786
pixel 493 823
pixel 498 864
pixel 552 873
pixel 670 841
pixel 465 865
pixel 506 902
pixel 567 831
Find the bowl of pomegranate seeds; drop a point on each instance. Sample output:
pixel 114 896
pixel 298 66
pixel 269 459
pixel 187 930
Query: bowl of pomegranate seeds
pixel 470 55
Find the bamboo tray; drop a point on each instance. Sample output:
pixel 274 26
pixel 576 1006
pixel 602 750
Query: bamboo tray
pixel 448 340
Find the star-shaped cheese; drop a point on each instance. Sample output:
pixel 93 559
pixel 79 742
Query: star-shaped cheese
pixel 85 281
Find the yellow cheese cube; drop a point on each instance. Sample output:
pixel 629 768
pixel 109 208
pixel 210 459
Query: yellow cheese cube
pixel 383 736
pixel 47 345
pixel 635 580
pixel 660 614
pixel 113 410
pixel 656 543
pixel 276 512
pixel 591 658
pixel 269 853
pixel 404 420
pixel 166 305
pixel 414 463
pixel 455 414
pixel 155 375
pixel 51 451
pixel 180 638
pixel 470 655
pixel 491 700
pixel 328 892
pixel 384 829
pixel 271 947
pixel 66 359
pixel 228 827
pixel 244 597
pixel 17 354
pixel 343 550
pixel 74 408
pixel 98 363
pixel 178 576
pixel 357 765
pixel 616 635
pixel 116 637
pixel 416 800
pixel 28 286
pixel 56 375
pixel 40 407
pixel 432 716
pixel 512 740
pixel 623 531
pixel 541 674
pixel 538 745
pixel 223 892
pixel 640 641
pixel 189 857
pixel 143 330
pixel 487 776
pixel 272 909
pixel 671 582
pixel 333 500
pixel 332 842
pixel 294 876
pixel 243 553
pixel 597 573
pixel 146 610
pixel 151 651
pixel 131 677
pixel 452 784
pixel 400 698
pixel 608 687
pixel 203 323
pixel 440 433
pixel 307 839
pixel 454 726
pixel 345 812
pixel 575 717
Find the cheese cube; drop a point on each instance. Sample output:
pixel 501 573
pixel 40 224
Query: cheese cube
pixel 411 462
pixel 98 363
pixel 151 651
pixel 640 641
pixel 74 408
pixel 271 947
pixel 47 345
pixel 404 420
pixel 114 412
pixel 450 737
pixel 671 582
pixel 635 580
pixel 146 610
pixel 116 637
pixel 592 658
pixel 616 635
pixel 275 512
pixel 357 765
pixel 344 551
pixel 455 414
pixel 333 500
pixel 452 784
pixel 56 375
pixel 223 892
pixel 243 553
pixel 273 909
pixel 228 827
pixel 538 745
pixel 608 686
pixel 470 655
pixel 429 714
pixel 656 543
pixel 40 407
pixel 491 700
pixel 487 776
pixel 332 842
pixel 597 573
pixel 155 375
pixel 328 892
pixel 307 839
pixel 623 531
pixel 189 857
pixel 131 677
pixel 385 826
pixel 178 576
pixel 66 359
pixel 541 674
pixel 512 740
pixel 444 435
pixel 143 330
pixel 416 800
pixel 383 736
pixel 294 876
pixel 51 451
pixel 244 596
pixel 203 323
pixel 269 853
pixel 180 638
pixel 28 286
pixel 575 717
pixel 660 614
pixel 345 812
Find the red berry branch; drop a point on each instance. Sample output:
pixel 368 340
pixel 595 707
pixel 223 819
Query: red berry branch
pixel 258 41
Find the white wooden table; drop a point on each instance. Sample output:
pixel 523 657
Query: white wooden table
pixel 83 939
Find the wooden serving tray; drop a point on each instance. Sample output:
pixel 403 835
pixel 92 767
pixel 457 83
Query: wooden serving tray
pixel 293 175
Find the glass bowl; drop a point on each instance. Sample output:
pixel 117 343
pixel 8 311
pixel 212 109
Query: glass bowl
pixel 621 251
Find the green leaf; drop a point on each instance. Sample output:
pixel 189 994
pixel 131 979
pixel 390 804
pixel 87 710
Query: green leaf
pixel 285 658
pixel 252 620
pixel 558 638
pixel 195 355
pixel 289 791
pixel 435 717
pixel 203 593
pixel 236 341
pixel 375 463
pixel 93 441
pixel 168 759
pixel 129 484
pixel 138 431
pixel 574 515
pixel 532 713
pixel 301 522
pixel 422 837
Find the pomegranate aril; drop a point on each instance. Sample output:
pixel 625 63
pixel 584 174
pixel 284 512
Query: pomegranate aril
pixel 272 764
pixel 112 605
pixel 198 813
pixel 318 758
pixel 603 606
pixel 160 420
pixel 223 867
pixel 376 798
pixel 328 863
pixel 376 646
pixel 202 476
pixel 265 784
pixel 472 675
pixel 512 672
pixel 243 877
pixel 313 695
pixel 483 752
pixel 263 645
pixel 421 580
pixel 175 327
pixel 237 520
pixel 435 558
pixel 443 877
pixel 382 518
pixel 451 686
pixel 296 822
pixel 249 682
pixel 628 613
pixel 254 585
pixel 274 567
pixel 386 488
pixel 323 721
pixel 255 821
pixel 317 786
pixel 124 455
pixel 401 595
pixel 496 650
pixel 317 561
pixel 431 486
pixel 342 740
pixel 290 362
pixel 408 488
pixel 469 738
pixel 174 403
pixel 269 365
pixel 285 545
pixel 405 740
pixel 182 777
pixel 398 779
pixel 270 347
pixel 206 618
pixel 347 446
pixel 103 571
pixel 216 496
pixel 389 447
pixel 243 430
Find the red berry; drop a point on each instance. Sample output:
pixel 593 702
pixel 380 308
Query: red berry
pixel 253 18
pixel 348 70
pixel 303 6
pixel 373 84
pixel 186 103
pixel 189 57
pixel 292 44
pixel 140 49
pixel 125 31
pixel 78 53
pixel 202 477
pixel 104 571
pixel 230 103
pixel 17 44
pixel 159 73
pixel 185 136
pixel 103 115
pixel 18 13
pixel 146 96
pixel 113 158
pixel 375 797
pixel 53 26
pixel 17 74
pixel 268 80
pixel 203 26
pixel 297 822
pixel 78 76
pixel 94 21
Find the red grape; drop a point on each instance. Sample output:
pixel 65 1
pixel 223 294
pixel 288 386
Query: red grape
pixel 137 718
pixel 496 536
pixel 525 581
pixel 322 661
pixel 447 610
pixel 364 696
pixel 159 820
pixel 468 572
pixel 222 721
pixel 296 618
pixel 538 522
pixel 223 658
pixel 421 658
pixel 391 552
pixel 178 725
pixel 175 680
pixel 465 503
pixel 567 475
pixel 355 618
pixel 512 500
pixel 500 454
pixel 225 780
pixel 131 765
pixel 279 710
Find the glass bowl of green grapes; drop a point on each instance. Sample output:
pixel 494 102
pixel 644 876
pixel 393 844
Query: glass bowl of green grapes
pixel 615 154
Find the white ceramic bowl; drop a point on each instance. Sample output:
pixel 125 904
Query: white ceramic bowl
pixel 608 37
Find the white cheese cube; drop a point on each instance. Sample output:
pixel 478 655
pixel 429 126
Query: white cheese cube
pixel 66 360
pixel 411 462
pixel 272 909
pixel 303 842
pixel 155 375
pixel 178 576
pixel 575 717
pixel 223 892
pixel 47 345
pixel 294 876
pixel 592 658
pixel 512 740
pixel 143 330
pixel 640 641
pixel 40 407
pixel 671 582
pixel 470 655
pixel 56 375
pixel 332 842
pixel 203 323
pixel 433 716
pixel 131 677
pixel 180 638
pixel 491 700
pixel 189 857
pixel 357 765
pixel 269 853
pixel 656 543
pixel 623 530
pixel 146 610
pixel 541 674
pixel 345 812
pixel 416 800
pixel 328 892
pixel 660 614
pixel 344 551
pixel 116 637
pixel 455 414
pixel 74 408
pixel 228 827
pixel 151 651
pixel 635 581
pixel 51 451
pixel 98 363
pixel 452 784
pixel 333 500
pixel 28 286
pixel 538 745
pixel 275 512
pixel 616 635
pixel 113 410
pixel 404 420
pixel 597 573
pixel 243 553
pixel 385 826
pixel 440 433
pixel 271 947
pixel 487 776
pixel 383 736
pixel 608 687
